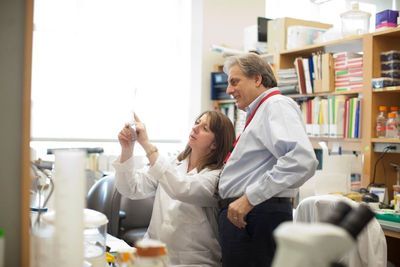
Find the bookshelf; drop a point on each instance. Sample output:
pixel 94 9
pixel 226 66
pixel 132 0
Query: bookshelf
pixel 370 46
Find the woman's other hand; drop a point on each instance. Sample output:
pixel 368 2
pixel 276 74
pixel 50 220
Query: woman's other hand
pixel 126 138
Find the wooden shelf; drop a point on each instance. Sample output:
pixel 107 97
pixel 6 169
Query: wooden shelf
pixel 352 92
pixel 391 89
pixel 315 47
pixel 346 144
pixel 385 140
pixel 388 33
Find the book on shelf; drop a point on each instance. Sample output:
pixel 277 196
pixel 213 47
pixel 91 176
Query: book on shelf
pixel 287 81
pixel 315 73
pixel 348 71
pixel 334 116
pixel 307 75
pixel 298 63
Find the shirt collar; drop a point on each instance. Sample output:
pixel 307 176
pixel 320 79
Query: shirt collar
pixel 254 104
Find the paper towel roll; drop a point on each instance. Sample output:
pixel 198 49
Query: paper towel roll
pixel 69 205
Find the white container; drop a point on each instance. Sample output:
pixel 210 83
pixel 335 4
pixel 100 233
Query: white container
pixel 151 253
pixel 94 235
pixel 299 36
pixel 355 21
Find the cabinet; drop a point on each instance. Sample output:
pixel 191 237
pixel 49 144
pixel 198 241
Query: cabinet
pixel 370 46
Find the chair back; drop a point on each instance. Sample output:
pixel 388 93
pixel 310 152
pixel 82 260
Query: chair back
pixel 138 212
pixel 104 197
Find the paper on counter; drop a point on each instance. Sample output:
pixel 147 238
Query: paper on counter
pixel 118 245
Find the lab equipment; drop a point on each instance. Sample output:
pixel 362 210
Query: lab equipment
pixel 355 21
pixel 151 253
pixel 320 244
pixel 381 122
pixel 70 185
pixel 396 187
pixel 94 235
pixel 391 126
pixel 43 189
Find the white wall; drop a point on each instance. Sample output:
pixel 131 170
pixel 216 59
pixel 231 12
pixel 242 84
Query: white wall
pixel 223 22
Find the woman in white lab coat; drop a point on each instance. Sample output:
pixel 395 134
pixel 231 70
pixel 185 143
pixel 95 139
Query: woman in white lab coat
pixel 185 209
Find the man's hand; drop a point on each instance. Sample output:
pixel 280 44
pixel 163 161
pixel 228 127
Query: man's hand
pixel 238 210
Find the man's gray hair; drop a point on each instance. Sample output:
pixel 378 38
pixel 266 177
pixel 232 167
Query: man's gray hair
pixel 251 64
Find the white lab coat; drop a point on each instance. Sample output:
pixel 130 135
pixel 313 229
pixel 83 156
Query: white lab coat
pixel 184 212
pixel 371 243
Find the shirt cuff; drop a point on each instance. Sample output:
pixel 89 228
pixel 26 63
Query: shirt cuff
pixel 158 168
pixel 258 192
pixel 126 166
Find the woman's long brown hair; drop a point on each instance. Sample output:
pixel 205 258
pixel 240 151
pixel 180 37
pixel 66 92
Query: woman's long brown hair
pixel 224 134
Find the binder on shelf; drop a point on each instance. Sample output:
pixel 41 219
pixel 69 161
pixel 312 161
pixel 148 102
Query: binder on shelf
pixel 307 75
pixel 327 73
pixel 298 63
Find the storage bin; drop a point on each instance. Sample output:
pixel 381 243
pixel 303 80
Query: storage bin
pixel 384 82
pixel 391 73
pixel 386 19
pixel 390 55
pixel 390 65
pixel 277 31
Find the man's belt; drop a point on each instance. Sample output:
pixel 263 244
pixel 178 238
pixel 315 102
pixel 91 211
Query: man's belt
pixel 224 203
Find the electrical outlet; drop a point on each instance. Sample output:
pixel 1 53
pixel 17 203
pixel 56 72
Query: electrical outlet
pixel 381 147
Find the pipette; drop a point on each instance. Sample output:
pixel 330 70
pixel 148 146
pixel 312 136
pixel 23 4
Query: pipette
pixel 132 122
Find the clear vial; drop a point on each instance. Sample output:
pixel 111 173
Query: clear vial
pixel 381 122
pixel 391 126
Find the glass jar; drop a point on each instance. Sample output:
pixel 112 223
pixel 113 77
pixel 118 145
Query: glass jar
pixel 355 21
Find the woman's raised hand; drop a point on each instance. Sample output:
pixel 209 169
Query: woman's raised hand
pixel 141 132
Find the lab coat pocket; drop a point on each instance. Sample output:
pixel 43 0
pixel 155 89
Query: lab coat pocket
pixel 196 258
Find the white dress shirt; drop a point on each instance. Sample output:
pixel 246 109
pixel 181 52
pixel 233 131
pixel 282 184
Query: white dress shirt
pixel 185 209
pixel 273 157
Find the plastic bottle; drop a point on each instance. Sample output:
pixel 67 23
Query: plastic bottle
pixel 1 247
pixel 391 126
pixel 381 122
pixel 395 110
pixel 151 253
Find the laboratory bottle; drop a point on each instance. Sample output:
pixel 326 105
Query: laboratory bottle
pixel 2 248
pixel 151 253
pixel 391 126
pixel 395 110
pixel 381 122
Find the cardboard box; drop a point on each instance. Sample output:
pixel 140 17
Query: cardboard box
pixel 277 31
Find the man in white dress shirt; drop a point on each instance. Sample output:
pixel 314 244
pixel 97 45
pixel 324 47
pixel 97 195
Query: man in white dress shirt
pixel 270 160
